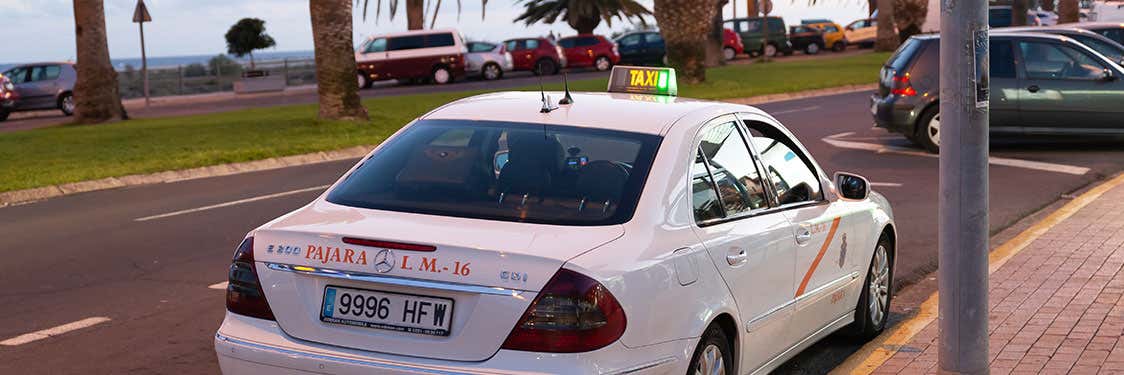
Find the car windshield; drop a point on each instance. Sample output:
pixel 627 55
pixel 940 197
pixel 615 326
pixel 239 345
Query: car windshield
pixel 1113 52
pixel 505 171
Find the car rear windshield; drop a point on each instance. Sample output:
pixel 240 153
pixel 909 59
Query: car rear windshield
pixel 505 171
pixel 900 59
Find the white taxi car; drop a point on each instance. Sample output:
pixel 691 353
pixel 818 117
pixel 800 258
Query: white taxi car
pixel 623 232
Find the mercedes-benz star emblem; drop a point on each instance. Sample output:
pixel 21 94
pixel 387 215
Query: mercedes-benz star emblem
pixel 384 261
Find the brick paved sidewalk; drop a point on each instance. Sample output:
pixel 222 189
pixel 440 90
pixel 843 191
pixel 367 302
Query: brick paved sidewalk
pixel 1055 307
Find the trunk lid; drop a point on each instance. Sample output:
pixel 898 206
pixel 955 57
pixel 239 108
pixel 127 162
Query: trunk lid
pixel 490 270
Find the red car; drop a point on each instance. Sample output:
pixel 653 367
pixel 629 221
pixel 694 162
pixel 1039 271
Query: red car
pixel 539 55
pixel 731 44
pixel 588 50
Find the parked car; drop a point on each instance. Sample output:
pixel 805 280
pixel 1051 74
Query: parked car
pixel 833 35
pixel 539 55
pixel 1105 46
pixel 731 44
pixel 1003 16
pixel 1111 30
pixel 806 38
pixel 487 60
pixel 862 32
pixel 38 86
pixel 1039 84
pixel 642 48
pixel 753 36
pixel 433 55
pixel 589 51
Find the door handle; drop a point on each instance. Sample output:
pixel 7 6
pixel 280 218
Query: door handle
pixel 1032 88
pixel 803 234
pixel 736 256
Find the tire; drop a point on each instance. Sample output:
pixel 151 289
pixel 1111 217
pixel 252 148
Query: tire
pixel 361 78
pixel 770 50
pixel 871 313
pixel 441 75
pixel 729 53
pixel 713 350
pixel 602 63
pixel 812 49
pixel 3 115
pixel 545 67
pixel 927 132
pixel 491 72
pixel 66 104
pixel 839 46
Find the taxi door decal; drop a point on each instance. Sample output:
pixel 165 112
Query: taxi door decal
pixel 819 256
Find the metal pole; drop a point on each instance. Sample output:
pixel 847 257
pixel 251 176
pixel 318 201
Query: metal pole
pixel 285 70
pixel 179 70
pixel 963 241
pixel 144 65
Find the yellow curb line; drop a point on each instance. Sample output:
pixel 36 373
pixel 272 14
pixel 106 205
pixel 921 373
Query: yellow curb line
pixel 875 353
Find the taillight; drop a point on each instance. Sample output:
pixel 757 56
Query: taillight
pixel 244 295
pixel 615 50
pixel 573 313
pixel 902 86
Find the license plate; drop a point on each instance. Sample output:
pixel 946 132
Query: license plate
pixel 389 311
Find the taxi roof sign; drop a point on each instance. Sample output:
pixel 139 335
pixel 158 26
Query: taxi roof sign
pixel 643 80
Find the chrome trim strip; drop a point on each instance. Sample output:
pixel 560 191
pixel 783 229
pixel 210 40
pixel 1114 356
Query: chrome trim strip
pixel 749 323
pixel 642 367
pixel 395 281
pixel 297 354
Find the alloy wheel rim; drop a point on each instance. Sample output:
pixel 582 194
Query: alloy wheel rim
pixel 879 287
pixel 729 53
pixel 68 104
pixel 813 48
pixel 491 72
pixel 441 76
pixel 360 80
pixel 602 63
pixel 710 362
pixel 770 50
pixel 934 129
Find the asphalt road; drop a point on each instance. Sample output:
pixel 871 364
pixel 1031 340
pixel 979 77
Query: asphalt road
pixel 85 256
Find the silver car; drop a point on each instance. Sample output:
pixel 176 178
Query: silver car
pixel 38 86
pixel 488 60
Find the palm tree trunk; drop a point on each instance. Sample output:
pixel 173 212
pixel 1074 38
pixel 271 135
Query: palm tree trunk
pixel 714 37
pixel 585 25
pixel 335 60
pixel 95 92
pixel 887 39
pixel 1018 12
pixel 415 14
pixel 1047 5
pixel 684 25
pixel 1067 11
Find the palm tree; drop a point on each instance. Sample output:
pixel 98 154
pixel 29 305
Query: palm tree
pixel 1068 11
pixel 416 11
pixel 684 25
pixel 335 60
pixel 887 39
pixel 582 15
pixel 95 92
pixel 909 15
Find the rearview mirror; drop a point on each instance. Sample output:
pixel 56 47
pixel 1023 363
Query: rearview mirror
pixel 851 186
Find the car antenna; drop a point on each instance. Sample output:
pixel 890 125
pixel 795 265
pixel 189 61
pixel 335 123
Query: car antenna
pixel 546 106
pixel 567 99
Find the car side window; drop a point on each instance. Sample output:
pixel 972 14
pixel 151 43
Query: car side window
pixel 567 43
pixel 406 42
pixel 732 169
pixel 630 40
pixel 481 47
pixel 831 29
pixel 439 40
pixel 653 38
pixel 794 178
pixel 532 44
pixel 377 45
pixel 588 41
pixel 704 199
pixel 1044 60
pixel 17 75
pixel 511 45
pixel 1002 59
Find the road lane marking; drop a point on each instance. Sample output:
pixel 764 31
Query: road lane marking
pixel 876 352
pixel 218 286
pixel 794 110
pixel 886 184
pixel 232 203
pixel 837 141
pixel 54 331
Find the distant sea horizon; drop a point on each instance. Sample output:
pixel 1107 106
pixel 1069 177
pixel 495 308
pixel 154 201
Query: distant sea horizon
pixel 184 60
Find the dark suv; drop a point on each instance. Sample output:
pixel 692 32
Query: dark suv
pixel 1039 84
pixel 753 35
pixel 39 86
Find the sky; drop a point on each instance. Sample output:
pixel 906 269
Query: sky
pixel 36 30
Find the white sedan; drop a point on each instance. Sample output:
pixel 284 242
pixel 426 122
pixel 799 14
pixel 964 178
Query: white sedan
pixel 624 232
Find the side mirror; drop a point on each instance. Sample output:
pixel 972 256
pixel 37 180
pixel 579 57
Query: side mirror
pixel 1108 75
pixel 851 186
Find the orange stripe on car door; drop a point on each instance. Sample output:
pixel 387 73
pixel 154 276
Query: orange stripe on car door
pixel 816 262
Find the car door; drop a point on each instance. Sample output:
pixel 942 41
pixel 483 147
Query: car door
pixel 749 244
pixel 631 48
pixel 1003 83
pixel 406 57
pixel 826 236
pixel 39 89
pixel 1062 86
pixel 654 48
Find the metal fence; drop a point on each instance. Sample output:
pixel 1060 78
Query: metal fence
pixel 215 76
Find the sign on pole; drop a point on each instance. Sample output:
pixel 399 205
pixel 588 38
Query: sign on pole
pixel 140 16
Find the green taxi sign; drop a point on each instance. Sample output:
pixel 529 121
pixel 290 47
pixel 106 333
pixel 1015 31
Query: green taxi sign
pixel 643 80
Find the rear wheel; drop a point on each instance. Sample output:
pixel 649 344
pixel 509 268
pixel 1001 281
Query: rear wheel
pixel 928 130
pixel 839 46
pixel 441 75
pixel 491 72
pixel 812 49
pixel 712 355
pixel 602 63
pixel 874 302
pixel 66 104
pixel 545 67
pixel 361 78
pixel 3 115
pixel 770 50
pixel 729 53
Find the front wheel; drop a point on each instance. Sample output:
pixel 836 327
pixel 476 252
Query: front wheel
pixel 770 50
pixel 545 67
pixel 3 115
pixel 602 63
pixel 362 80
pixel 66 104
pixel 491 72
pixel 712 355
pixel 839 46
pixel 812 49
pixel 441 75
pixel 928 132
pixel 874 302
pixel 729 53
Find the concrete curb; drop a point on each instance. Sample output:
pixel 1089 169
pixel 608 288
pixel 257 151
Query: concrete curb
pixel 35 194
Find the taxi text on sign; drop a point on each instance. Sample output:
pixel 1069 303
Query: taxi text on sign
pixel 643 80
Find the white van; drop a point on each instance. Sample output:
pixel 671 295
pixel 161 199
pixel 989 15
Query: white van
pixel 434 55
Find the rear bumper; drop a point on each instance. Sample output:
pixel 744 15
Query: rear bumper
pixel 247 345
pixel 893 113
